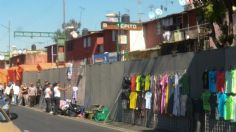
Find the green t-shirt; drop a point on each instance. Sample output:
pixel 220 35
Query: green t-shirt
pixel 229 108
pixel 138 83
pixel 205 99
pixel 147 83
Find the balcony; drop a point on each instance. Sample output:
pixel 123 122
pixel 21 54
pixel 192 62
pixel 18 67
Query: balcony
pixel 193 32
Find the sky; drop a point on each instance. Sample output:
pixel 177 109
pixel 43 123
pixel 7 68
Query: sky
pixel 47 16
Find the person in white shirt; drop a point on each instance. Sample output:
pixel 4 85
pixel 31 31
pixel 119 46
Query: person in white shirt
pixel 1 89
pixel 57 96
pixel 8 92
pixel 47 96
pixel 16 90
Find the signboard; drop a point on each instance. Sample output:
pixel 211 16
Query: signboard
pixel 100 58
pixel 105 58
pixel 123 26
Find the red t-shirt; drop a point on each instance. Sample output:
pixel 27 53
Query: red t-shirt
pixel 133 83
pixel 220 81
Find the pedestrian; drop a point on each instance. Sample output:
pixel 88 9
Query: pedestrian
pixel 1 89
pixel 8 92
pixel 57 97
pixel 32 92
pixel 24 93
pixel 16 90
pixel 39 91
pixel 42 99
pixel 48 93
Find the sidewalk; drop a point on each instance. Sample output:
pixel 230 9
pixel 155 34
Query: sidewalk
pixel 119 126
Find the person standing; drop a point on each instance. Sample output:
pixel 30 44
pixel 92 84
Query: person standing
pixel 24 92
pixel 16 90
pixel 57 97
pixel 48 93
pixel 32 92
pixel 1 89
pixel 9 92
pixel 39 91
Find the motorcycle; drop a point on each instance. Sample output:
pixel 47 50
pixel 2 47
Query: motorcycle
pixel 69 109
pixel 5 103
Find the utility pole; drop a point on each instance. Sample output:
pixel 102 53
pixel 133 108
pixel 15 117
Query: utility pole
pixel 118 40
pixel 9 38
pixel 64 14
pixel 9 35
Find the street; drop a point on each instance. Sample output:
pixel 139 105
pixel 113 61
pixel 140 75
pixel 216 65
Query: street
pixel 32 121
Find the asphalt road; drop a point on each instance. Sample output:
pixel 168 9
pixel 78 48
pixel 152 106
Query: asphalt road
pixel 33 121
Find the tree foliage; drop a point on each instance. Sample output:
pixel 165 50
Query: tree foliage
pixel 68 27
pixel 216 11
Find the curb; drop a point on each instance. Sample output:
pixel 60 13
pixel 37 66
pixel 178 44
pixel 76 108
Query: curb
pixel 104 125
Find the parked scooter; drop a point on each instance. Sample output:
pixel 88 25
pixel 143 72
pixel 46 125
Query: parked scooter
pixel 68 108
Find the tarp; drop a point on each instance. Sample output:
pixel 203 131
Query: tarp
pixel 25 68
pixel 3 76
pixel 46 66
pixel 11 74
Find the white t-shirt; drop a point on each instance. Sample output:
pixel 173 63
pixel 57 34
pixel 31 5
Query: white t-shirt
pixel 148 97
pixel 16 89
pixel 7 90
pixel 1 87
pixel 47 92
pixel 57 92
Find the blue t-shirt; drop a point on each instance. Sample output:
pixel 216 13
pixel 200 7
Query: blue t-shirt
pixel 212 81
pixel 221 103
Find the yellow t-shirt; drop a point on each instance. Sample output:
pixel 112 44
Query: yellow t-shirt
pixel 133 99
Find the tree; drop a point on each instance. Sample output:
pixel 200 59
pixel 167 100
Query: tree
pixel 218 12
pixel 71 26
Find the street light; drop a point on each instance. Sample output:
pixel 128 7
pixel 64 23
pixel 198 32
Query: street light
pixel 9 36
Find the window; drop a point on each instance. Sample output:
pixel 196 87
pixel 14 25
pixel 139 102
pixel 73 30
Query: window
pixel 114 34
pixel 89 41
pixel 159 28
pixel 70 46
pixel 85 43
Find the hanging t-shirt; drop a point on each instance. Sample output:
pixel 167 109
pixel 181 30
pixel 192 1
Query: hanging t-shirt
pixel 133 100
pixel 234 82
pixel 205 80
pixel 148 97
pixel 133 83
pixel 183 102
pixel 157 96
pixel 185 84
pixel 147 83
pixel 212 81
pixel 229 79
pixel 167 98
pixel 138 83
pixel 126 82
pixel 221 103
pixel 220 81
pixel 229 108
pixel 163 83
pixel 234 108
pixel 206 100
pixel 214 105
pixel 176 108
